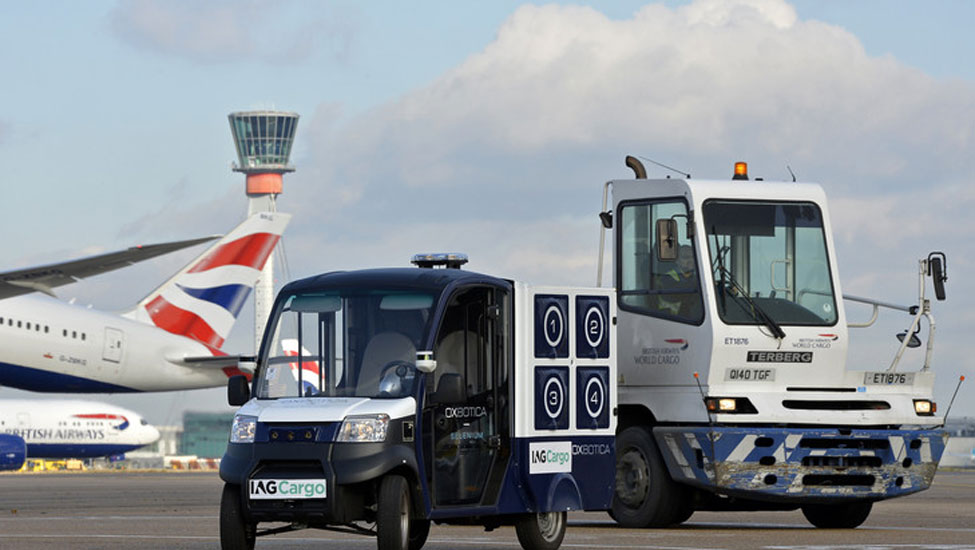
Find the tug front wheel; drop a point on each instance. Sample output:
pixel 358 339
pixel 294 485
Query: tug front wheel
pixel 645 495
pixel 541 531
pixel 235 532
pixel 837 516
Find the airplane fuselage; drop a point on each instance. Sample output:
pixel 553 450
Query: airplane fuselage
pixel 47 345
pixel 74 429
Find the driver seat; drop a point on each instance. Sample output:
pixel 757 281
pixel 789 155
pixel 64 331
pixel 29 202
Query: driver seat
pixel 381 350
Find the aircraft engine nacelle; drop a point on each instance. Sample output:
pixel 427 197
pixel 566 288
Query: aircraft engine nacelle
pixel 13 452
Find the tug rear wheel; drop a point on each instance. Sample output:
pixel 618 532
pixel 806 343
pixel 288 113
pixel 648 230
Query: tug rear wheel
pixel 541 531
pixel 837 516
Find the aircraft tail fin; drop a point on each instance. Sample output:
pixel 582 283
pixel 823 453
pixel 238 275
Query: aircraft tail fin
pixel 203 299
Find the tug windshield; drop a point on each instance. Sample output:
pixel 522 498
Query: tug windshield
pixel 345 343
pixel 769 262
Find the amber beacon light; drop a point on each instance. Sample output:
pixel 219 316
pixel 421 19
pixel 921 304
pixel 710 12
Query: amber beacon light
pixel 741 171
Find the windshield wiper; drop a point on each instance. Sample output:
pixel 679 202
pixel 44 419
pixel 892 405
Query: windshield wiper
pixel 756 312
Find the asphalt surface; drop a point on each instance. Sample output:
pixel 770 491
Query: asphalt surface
pixel 180 511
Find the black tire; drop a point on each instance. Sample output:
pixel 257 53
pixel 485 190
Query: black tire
pixel 541 531
pixel 236 533
pixel 684 513
pixel 645 495
pixel 393 513
pixel 837 516
pixel 419 529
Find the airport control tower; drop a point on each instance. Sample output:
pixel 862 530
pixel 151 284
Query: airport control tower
pixel 263 141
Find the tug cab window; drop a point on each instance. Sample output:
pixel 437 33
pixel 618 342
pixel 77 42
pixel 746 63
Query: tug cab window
pixel 770 259
pixel 667 287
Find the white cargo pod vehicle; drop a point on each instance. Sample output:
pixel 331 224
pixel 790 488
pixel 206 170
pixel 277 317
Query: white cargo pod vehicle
pixel 384 400
pixel 728 293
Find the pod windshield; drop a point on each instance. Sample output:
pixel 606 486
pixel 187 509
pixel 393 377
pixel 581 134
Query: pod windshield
pixel 345 343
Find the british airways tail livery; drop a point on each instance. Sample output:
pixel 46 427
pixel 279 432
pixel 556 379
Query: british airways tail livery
pixel 169 341
pixel 69 429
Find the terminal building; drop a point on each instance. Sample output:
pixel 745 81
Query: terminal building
pixel 205 434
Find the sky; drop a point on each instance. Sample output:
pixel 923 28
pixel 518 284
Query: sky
pixel 486 128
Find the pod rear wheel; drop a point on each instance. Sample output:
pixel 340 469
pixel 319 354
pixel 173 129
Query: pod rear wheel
pixel 541 531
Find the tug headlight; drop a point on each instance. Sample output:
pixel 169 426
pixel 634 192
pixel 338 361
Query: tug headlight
pixel 925 407
pixel 730 405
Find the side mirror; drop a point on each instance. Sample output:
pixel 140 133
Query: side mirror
pixel 937 268
pixel 425 362
pixel 238 390
pixel 912 342
pixel 667 239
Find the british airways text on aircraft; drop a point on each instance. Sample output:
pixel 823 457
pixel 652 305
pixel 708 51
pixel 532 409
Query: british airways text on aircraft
pixel 74 429
pixel 169 341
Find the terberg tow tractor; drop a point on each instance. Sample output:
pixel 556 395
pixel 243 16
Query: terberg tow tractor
pixel 729 291
pixel 385 399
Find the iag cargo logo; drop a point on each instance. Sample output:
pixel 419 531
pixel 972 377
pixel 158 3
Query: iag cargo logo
pixel 550 457
pixel 287 488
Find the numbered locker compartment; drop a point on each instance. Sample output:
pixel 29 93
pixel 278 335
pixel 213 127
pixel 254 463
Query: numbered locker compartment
pixel 592 397
pixel 592 327
pixel 571 332
pixel 551 326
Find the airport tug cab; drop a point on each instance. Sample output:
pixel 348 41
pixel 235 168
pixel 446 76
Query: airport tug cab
pixel 383 400
pixel 728 293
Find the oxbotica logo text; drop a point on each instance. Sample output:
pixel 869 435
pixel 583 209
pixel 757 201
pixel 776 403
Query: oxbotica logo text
pixel 287 488
pixel 550 457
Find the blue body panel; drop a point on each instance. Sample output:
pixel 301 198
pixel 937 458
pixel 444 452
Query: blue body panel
pixel 793 464
pixel 588 486
pixel 24 378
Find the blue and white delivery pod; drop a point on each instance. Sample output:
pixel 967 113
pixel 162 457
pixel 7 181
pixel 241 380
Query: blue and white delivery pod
pixel 387 399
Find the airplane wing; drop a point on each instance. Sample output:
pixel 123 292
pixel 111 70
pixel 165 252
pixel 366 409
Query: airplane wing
pixel 208 361
pixel 211 362
pixel 44 278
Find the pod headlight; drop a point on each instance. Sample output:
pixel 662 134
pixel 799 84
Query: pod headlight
pixel 243 429
pixel 369 428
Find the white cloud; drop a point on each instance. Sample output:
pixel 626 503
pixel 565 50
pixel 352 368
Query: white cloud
pixel 224 31
pixel 698 86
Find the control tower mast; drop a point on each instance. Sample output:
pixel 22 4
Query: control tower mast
pixel 263 141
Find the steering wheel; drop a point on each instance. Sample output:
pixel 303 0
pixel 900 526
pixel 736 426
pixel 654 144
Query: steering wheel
pixel 402 368
pixel 394 387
